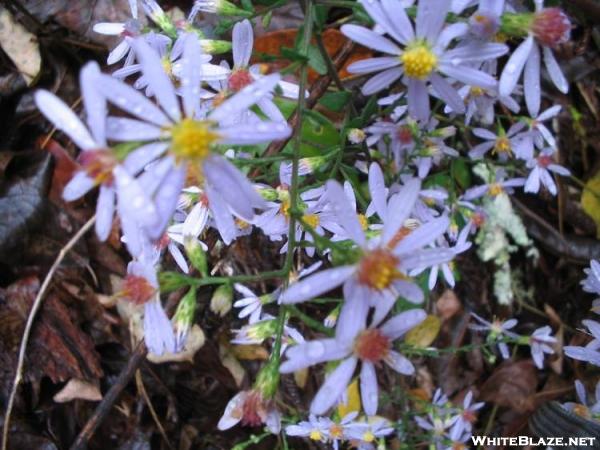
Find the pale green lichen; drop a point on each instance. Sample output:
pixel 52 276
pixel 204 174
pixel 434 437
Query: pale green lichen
pixel 502 234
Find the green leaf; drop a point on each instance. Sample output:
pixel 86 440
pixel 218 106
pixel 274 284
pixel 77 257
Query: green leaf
pixel 171 281
pixel 266 20
pixel 335 101
pixel 316 61
pixel 247 5
pixel 461 173
pixel 293 55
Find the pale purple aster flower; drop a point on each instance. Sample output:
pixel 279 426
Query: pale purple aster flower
pixel 118 188
pixel 243 74
pixel 584 408
pixel 367 432
pixel 549 28
pixel 591 352
pixel 316 428
pixel 355 342
pixel 540 172
pixel 485 22
pixel 437 425
pixel 467 416
pixel 540 131
pixel 250 304
pixel 541 342
pixel 504 144
pixel 493 189
pixel 181 138
pixel 141 287
pixel 378 278
pixel 130 28
pixel 592 281
pixel 497 330
pixel 190 228
pixel 424 56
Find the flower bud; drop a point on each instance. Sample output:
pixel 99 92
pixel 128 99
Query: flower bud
pixel 196 255
pixel 215 47
pixel 184 317
pixel 221 301
pixel 356 136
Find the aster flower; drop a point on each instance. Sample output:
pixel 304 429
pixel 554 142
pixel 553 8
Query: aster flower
pixel 365 433
pixel 130 28
pixel 592 281
pixel 590 353
pixel 185 141
pixel 485 22
pixel 541 342
pixel 540 131
pixel 495 188
pixel 424 56
pixel 540 172
pixel 316 428
pixel 585 408
pixel 141 288
pixel 504 144
pixel 190 228
pixel 243 74
pixel 547 28
pixel 378 277
pixel 467 416
pixel 99 164
pixel 497 331
pixel 355 342
pixel 251 304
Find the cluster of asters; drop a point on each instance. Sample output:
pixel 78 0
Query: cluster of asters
pixel 163 131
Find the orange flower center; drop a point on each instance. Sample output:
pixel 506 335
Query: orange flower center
pixel 378 269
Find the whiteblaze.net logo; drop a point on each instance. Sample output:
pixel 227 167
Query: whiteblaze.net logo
pixel 534 441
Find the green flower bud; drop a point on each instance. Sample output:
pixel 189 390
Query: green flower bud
pixel 196 255
pixel 215 47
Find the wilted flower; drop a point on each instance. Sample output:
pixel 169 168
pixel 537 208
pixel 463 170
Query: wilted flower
pixel 251 409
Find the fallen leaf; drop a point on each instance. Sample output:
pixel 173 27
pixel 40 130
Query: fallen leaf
pixel 22 197
pixel 20 45
pixel 272 42
pixel 425 333
pixel 512 384
pixel 195 341
pixel 251 352
pixel 590 200
pixel 301 377
pixel 77 389
pixel 230 362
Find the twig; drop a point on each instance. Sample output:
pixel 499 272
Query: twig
pixel 111 396
pixel 142 390
pixel 26 334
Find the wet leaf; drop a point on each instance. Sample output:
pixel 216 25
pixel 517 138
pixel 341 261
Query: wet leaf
pixel 22 197
pixel 512 384
pixel 425 333
pixel 77 389
pixel 20 45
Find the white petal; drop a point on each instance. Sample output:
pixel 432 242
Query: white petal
pixel 334 387
pixel 514 66
pixel 316 284
pixel 370 39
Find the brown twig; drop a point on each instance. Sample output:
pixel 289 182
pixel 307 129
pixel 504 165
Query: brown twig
pixel 28 327
pixel 109 399
pixel 317 90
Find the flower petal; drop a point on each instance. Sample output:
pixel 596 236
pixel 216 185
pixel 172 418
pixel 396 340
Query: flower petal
pixel 370 39
pixel 334 386
pixel 316 284
pixel 514 66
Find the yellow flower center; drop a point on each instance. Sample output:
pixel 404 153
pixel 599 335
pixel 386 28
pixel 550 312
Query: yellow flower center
pixel 419 61
pixel 503 146
pixel 311 219
pixel 476 91
pixel 377 269
pixel 364 223
pixel 336 431
pixel 368 437
pixel 316 435
pixel 242 224
pixel 192 139
pixel 495 189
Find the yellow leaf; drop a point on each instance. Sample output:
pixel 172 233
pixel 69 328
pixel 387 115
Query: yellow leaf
pixel 353 396
pixel 425 333
pixel 250 352
pixel 301 377
pixel 590 200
